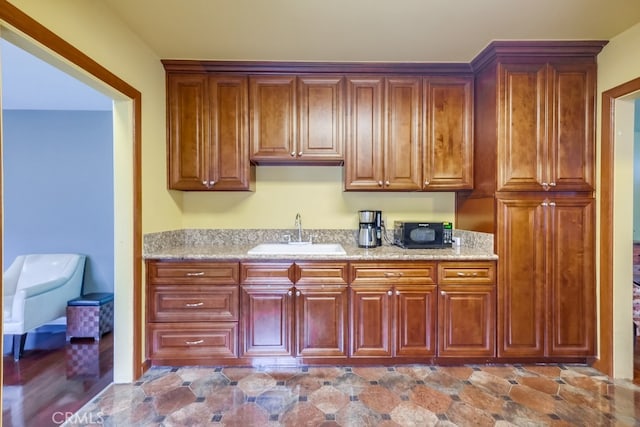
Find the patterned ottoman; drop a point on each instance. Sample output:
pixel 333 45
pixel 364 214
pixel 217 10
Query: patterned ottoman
pixel 83 360
pixel 90 315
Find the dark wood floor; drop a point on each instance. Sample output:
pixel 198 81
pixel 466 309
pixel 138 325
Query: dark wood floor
pixel 50 383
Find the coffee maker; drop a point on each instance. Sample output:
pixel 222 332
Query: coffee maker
pixel 370 229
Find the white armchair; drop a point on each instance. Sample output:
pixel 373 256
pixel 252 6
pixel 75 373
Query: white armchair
pixel 36 290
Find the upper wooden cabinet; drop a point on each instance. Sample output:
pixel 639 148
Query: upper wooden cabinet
pixel 207 132
pixel 546 126
pixel 401 127
pixel 409 133
pixel 296 119
pixel 383 133
pixel 448 133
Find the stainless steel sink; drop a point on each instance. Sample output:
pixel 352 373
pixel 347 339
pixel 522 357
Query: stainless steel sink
pixel 297 249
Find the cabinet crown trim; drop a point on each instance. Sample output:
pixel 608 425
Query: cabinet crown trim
pixel 275 67
pixel 588 49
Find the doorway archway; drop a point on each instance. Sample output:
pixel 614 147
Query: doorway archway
pixel 127 144
pixel 607 288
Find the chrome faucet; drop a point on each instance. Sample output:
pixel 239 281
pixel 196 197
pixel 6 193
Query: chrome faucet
pixel 299 225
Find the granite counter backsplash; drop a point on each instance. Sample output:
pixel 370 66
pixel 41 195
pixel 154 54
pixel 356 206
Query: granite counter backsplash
pixel 200 244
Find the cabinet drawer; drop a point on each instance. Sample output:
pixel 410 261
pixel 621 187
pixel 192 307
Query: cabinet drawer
pixel 267 273
pixel 321 273
pixel 196 340
pixel 187 303
pixel 467 272
pixel 176 272
pixel 406 273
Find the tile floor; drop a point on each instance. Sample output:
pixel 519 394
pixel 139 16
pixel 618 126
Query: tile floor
pixel 500 395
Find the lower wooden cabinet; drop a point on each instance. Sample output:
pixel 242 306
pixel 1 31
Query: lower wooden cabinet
pixel 363 312
pixel 192 311
pixel 321 321
pixel 466 309
pixel 267 320
pixel 200 340
pixel 546 292
pixel 294 309
pixel 393 309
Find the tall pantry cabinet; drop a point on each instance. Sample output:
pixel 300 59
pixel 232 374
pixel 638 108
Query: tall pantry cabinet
pixel 534 188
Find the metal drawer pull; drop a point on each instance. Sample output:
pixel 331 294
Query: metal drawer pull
pixel 392 274
pixel 197 273
pixel 194 342
pixel 461 274
pixel 194 304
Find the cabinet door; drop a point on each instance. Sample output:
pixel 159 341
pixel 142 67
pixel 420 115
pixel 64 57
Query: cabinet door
pixel 448 130
pixel 267 308
pixel 466 321
pixel 188 128
pixel 571 134
pixel 364 157
pixel 416 308
pixel 320 118
pixel 321 321
pixel 402 144
pixel 572 277
pixel 272 117
pixel 229 167
pixel 521 241
pixel 267 320
pixel 522 116
pixel 371 322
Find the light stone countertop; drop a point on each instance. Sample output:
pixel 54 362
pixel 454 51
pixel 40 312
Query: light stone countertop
pixel 229 244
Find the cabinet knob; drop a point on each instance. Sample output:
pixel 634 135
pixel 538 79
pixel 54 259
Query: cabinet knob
pixel 379 183
pixel 426 183
pixel 299 153
pixel 204 183
pixel 389 293
pixel 297 293
pixel 212 183
pixel 443 293
pixel 290 293
pixel 293 154
pixel 387 183
pixel 552 204
pixel 397 292
pixel 544 203
pixel 545 186
pixel 552 184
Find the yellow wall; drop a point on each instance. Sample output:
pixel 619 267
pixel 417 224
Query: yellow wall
pixel 317 193
pixel 617 64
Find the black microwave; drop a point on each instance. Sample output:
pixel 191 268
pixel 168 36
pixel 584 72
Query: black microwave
pixel 423 235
